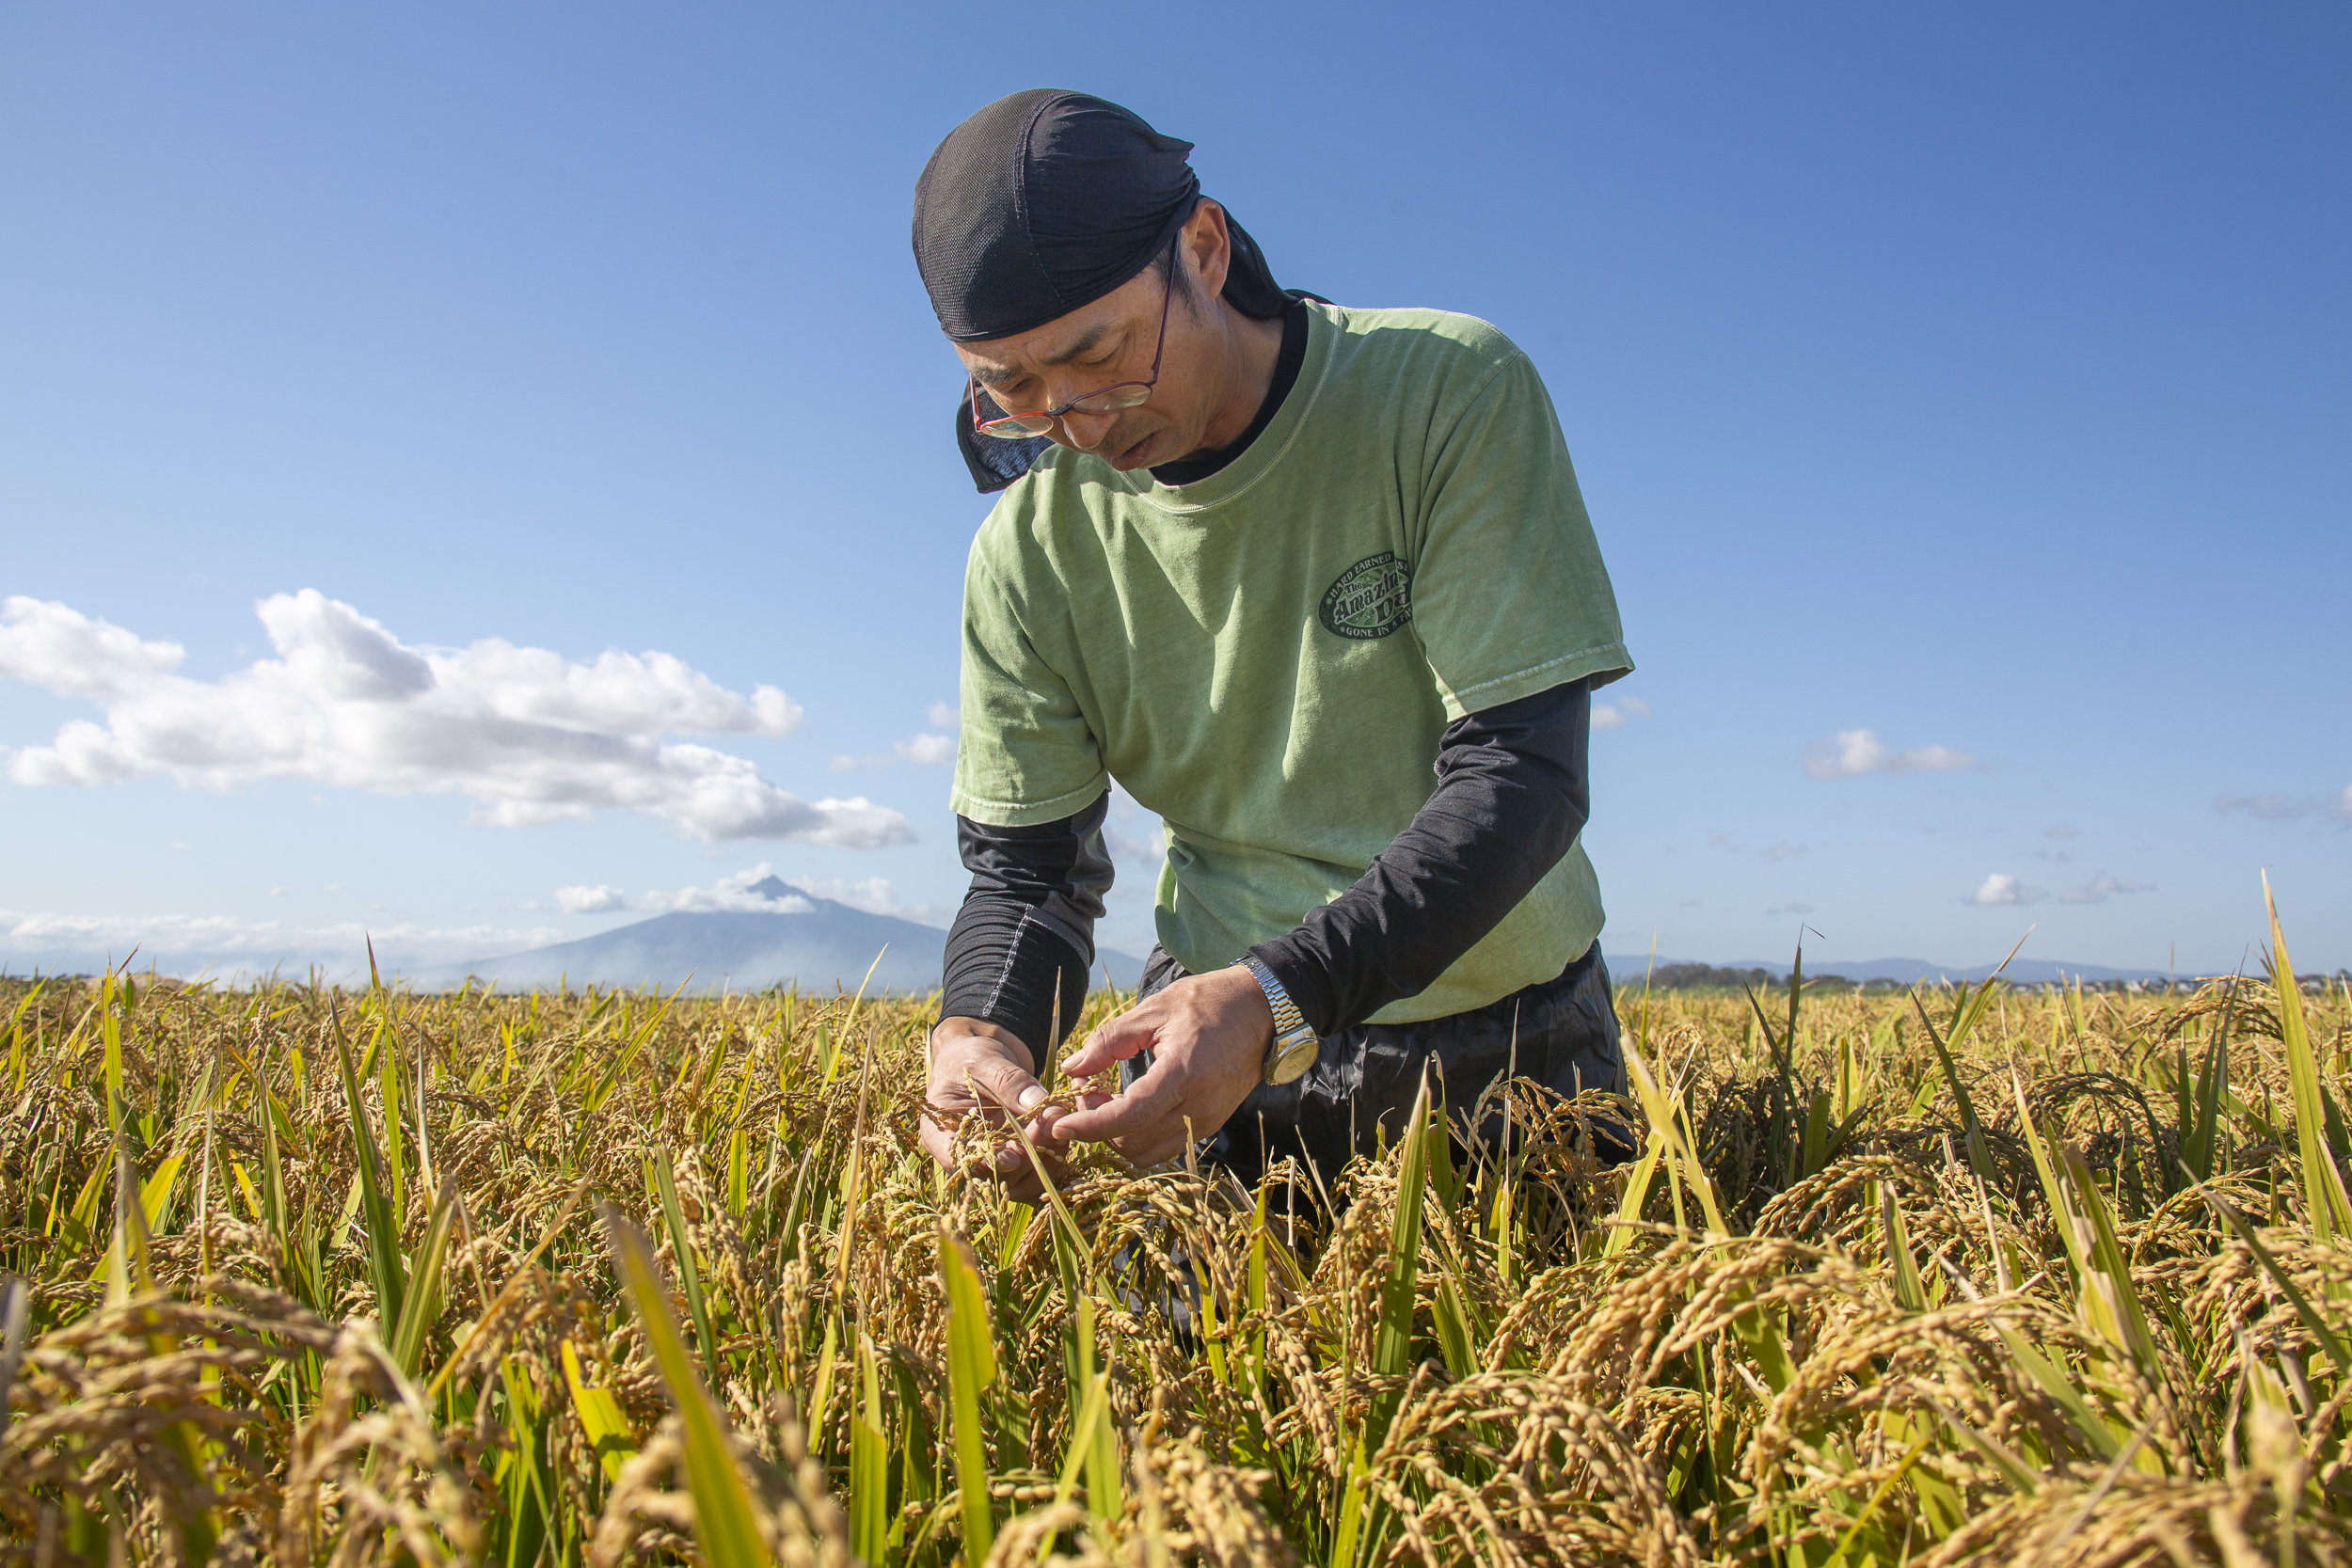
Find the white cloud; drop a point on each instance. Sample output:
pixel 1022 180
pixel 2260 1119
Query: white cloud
pixel 739 892
pixel 926 751
pixel 875 896
pixel 231 947
pixel 1772 854
pixel 1616 715
pixel 757 891
pixel 933 748
pixel 2002 888
pixel 51 645
pixel 1146 849
pixel 1850 754
pixel 2099 888
pixel 1135 836
pixel 729 894
pixel 2286 808
pixel 527 735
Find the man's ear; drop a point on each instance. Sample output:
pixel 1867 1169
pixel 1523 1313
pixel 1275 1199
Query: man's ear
pixel 1210 245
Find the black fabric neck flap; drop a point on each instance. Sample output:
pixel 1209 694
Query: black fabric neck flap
pixel 1249 281
pixel 992 464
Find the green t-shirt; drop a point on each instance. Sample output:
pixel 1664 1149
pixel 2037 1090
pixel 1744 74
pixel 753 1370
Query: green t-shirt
pixel 1267 657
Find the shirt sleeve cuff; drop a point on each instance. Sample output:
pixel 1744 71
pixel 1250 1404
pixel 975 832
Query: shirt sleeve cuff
pixel 1301 971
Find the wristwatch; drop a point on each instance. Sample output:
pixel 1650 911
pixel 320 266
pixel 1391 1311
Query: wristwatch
pixel 1294 1046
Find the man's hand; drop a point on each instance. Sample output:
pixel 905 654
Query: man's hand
pixel 1208 1036
pixel 979 1068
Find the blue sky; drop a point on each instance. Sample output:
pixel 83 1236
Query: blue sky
pixel 1975 378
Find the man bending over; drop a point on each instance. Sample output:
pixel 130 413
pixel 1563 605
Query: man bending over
pixel 1313 583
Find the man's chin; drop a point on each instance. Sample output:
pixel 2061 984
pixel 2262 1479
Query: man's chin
pixel 1141 453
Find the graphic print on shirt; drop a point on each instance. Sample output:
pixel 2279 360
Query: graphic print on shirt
pixel 1370 599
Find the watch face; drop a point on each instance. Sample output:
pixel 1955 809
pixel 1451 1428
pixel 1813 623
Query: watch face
pixel 1292 1061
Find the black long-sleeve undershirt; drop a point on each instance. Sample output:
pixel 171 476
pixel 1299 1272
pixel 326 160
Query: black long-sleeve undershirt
pixel 1027 926
pixel 1512 795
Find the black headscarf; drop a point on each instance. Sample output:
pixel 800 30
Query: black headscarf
pixel 1041 204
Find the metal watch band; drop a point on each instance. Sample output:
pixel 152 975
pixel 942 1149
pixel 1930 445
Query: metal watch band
pixel 1287 1017
pixel 1294 1047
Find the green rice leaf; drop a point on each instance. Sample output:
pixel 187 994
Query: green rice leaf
pixel 610 1436
pixel 970 1367
pixel 682 1248
pixel 1637 1185
pixel 422 1302
pixel 1392 1344
pixel 2055 1382
pixel 726 1525
pixel 869 1461
pixel 376 1209
pixel 2327 1206
pixel 1908 1290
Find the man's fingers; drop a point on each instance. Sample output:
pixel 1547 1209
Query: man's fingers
pixel 1013 1155
pixel 1002 1085
pixel 1115 1041
pixel 1146 1100
pixel 1013 1158
pixel 982 1075
pixel 1161 1138
pixel 937 1142
pixel 1159 1144
pixel 1048 1130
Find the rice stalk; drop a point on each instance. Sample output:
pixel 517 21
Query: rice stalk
pixel 309 1275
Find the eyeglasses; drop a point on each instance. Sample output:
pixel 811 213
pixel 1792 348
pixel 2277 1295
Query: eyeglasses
pixel 1110 400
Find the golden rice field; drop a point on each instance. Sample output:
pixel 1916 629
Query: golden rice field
pixel 369 1277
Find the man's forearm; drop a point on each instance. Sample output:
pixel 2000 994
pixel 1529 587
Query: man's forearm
pixel 1005 967
pixel 1511 798
pixel 1025 935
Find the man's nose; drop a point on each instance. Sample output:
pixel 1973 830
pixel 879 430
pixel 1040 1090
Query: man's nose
pixel 1087 430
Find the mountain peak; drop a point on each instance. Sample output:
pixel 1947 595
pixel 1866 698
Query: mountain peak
pixel 799 940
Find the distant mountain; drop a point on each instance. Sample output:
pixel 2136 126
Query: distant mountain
pixel 1627 969
pixel 806 941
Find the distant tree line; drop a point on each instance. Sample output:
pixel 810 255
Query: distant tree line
pixel 1696 976
pixel 1712 977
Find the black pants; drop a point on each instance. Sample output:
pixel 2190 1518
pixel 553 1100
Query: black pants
pixel 1560 1033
